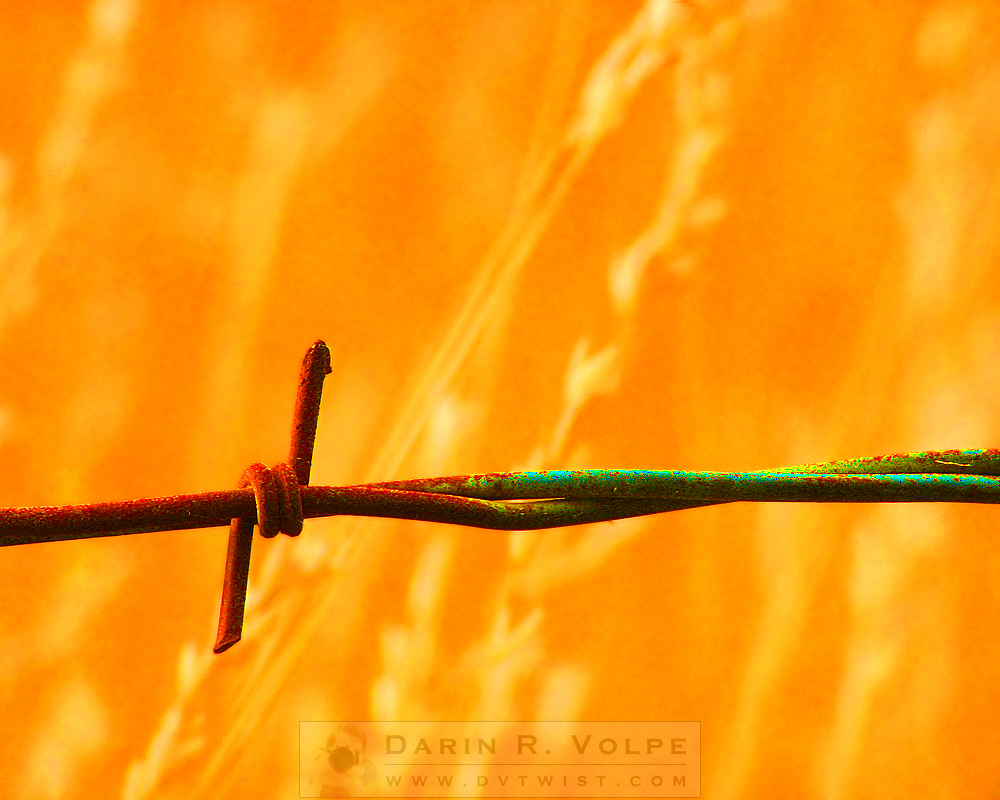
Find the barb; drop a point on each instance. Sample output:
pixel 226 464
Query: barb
pixel 277 496
pixel 278 499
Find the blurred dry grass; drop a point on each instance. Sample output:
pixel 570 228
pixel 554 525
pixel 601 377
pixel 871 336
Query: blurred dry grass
pixel 711 234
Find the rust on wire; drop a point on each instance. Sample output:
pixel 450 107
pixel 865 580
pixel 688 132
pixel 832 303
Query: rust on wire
pixel 279 498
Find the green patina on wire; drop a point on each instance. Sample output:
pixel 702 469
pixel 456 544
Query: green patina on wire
pixel 955 475
pixel 532 500
pixel 760 486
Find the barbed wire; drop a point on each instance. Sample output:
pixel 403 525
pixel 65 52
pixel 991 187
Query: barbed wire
pixel 279 498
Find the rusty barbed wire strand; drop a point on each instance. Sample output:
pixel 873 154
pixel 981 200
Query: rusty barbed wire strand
pixel 278 499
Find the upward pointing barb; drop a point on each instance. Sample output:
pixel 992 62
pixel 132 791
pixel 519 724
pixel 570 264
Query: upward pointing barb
pixel 315 367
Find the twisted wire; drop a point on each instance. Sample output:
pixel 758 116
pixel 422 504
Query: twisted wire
pixel 278 499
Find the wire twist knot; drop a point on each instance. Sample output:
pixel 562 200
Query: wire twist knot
pixel 279 501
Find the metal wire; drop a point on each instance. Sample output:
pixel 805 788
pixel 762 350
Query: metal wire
pixel 278 499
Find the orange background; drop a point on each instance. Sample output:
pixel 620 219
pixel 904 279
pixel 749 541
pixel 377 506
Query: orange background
pixel 709 235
